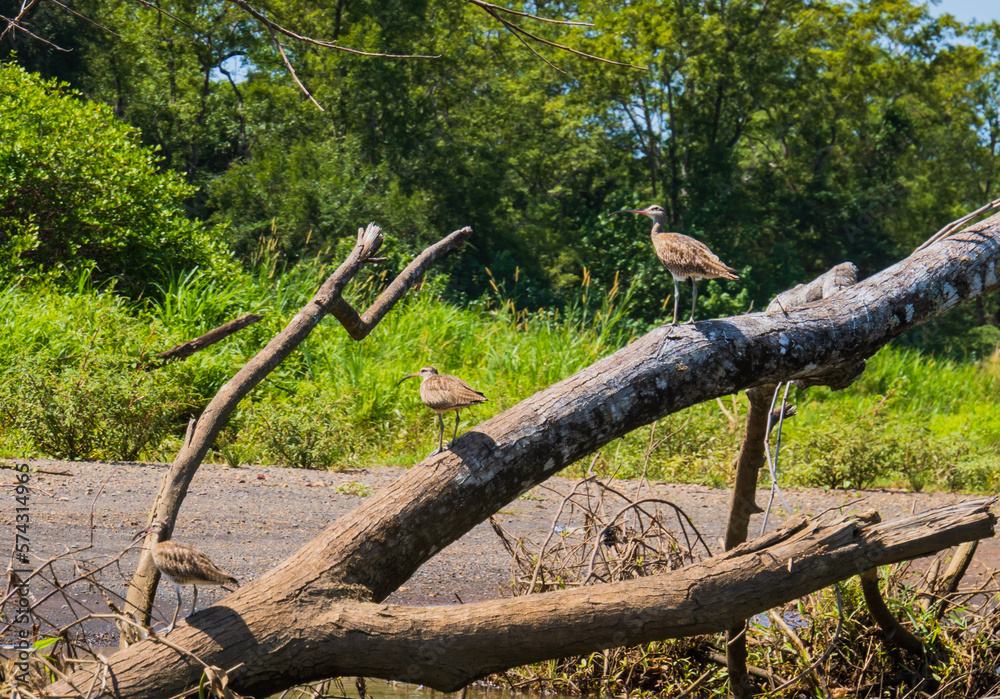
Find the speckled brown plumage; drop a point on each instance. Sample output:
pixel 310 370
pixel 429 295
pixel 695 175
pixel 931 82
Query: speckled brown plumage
pixel 687 258
pixel 683 256
pixel 443 393
pixel 184 564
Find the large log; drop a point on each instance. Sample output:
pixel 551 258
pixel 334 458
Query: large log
pixel 448 647
pixel 368 553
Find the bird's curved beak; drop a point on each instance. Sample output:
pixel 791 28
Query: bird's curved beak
pixel 628 211
pixel 408 376
pixel 140 534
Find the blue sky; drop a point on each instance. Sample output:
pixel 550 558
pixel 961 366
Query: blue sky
pixel 965 10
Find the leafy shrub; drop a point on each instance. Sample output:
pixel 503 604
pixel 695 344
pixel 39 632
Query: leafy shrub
pixel 78 191
pixel 301 431
pixel 73 382
pixel 99 408
pixel 982 341
pixel 355 488
pixel 843 457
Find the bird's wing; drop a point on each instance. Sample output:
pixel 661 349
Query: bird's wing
pixel 443 392
pixel 188 565
pixel 687 257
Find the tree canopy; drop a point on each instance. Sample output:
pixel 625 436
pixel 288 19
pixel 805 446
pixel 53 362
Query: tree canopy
pixel 789 135
pixel 79 192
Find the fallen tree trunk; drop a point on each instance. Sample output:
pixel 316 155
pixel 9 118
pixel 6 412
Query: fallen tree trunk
pixel 369 552
pixel 448 647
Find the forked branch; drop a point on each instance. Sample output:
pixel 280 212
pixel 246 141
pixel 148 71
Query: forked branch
pixel 206 429
pixel 358 326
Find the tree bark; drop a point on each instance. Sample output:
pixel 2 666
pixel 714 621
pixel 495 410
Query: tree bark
pixel 749 461
pixel 947 585
pixel 893 630
pixel 448 647
pixel 273 625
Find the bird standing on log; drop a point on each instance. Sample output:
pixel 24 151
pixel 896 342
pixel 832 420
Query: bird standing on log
pixel 184 565
pixel 443 393
pixel 683 256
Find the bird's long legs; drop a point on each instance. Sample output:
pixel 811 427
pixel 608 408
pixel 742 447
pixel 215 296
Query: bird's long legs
pixel 677 298
pixel 440 437
pixel 455 435
pixel 694 297
pixel 177 610
pixel 194 602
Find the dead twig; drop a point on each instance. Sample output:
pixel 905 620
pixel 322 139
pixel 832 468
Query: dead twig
pixel 960 223
pixel 273 27
pixel 186 349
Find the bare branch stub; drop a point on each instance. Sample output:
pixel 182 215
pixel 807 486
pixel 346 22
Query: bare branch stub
pixel 186 349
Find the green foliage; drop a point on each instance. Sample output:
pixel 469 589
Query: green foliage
pixel 346 409
pixel 355 488
pixel 76 380
pixel 911 420
pixel 77 192
pixel 301 431
pixel 101 409
pixel 788 135
pixel 867 452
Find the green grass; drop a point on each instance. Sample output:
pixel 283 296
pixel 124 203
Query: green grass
pixel 911 421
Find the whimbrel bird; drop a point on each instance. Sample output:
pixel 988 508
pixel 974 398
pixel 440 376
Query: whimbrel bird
pixel 443 393
pixel 683 256
pixel 184 565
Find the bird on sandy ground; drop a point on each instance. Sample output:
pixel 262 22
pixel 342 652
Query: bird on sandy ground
pixel 184 565
pixel 443 393
pixel 683 256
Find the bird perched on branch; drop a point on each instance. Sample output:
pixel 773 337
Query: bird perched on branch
pixel 683 256
pixel 443 393
pixel 184 565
